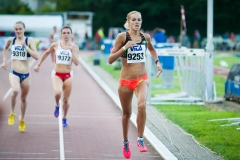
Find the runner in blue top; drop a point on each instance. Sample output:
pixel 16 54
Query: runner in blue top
pixel 22 49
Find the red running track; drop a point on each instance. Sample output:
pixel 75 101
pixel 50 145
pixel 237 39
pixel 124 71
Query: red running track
pixel 94 130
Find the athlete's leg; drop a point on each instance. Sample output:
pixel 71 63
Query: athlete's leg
pixel 125 95
pixel 67 88
pixel 25 85
pixel 57 87
pixel 141 93
pixel 15 84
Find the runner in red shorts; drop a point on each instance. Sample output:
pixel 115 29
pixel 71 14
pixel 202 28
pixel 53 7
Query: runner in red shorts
pixel 65 52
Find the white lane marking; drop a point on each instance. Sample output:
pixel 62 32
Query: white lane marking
pixel 153 140
pixel 61 140
pixel 7 94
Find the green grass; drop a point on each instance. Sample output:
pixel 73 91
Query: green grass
pixel 220 82
pixel 229 59
pixel 194 120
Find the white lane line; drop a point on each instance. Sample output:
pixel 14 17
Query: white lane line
pixel 152 139
pixel 7 94
pixel 61 140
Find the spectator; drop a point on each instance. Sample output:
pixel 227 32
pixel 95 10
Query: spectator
pixel 98 36
pixel 171 39
pixel 159 35
pixel 86 41
pixel 232 41
pixel 54 37
pixel 197 38
pixel 226 35
pixel 184 40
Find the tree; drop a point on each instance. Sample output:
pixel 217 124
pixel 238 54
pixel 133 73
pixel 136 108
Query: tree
pixel 14 7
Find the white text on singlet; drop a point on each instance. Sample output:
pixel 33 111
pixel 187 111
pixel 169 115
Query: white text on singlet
pixel 63 57
pixel 136 54
pixel 18 52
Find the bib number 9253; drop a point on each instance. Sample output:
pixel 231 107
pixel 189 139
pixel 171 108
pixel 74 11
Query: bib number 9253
pixel 135 56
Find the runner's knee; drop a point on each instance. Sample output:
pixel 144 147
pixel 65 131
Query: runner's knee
pixel 57 93
pixel 141 107
pixel 127 115
pixel 15 92
pixel 23 99
pixel 65 100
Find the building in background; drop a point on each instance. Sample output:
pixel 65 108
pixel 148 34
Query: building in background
pixel 41 25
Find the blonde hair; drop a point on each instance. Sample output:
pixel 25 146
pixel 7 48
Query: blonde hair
pixel 20 22
pixel 128 18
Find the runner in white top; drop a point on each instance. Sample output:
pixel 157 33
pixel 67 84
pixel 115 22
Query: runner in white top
pixel 65 53
pixel 22 49
pixel 131 47
pixel 63 56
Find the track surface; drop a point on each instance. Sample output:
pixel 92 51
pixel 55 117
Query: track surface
pixel 94 130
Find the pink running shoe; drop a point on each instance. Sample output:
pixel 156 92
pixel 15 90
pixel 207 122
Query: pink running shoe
pixel 141 145
pixel 126 150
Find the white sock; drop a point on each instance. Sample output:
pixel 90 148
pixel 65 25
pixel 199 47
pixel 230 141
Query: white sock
pixel 140 138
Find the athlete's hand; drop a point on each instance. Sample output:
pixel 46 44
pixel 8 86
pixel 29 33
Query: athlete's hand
pixel 129 44
pixel 23 44
pixel 159 69
pixel 36 68
pixel 4 65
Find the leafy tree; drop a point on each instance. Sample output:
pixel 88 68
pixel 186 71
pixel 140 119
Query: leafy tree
pixel 14 7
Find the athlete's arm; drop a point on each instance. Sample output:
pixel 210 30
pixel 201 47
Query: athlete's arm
pixel 44 56
pixel 75 52
pixel 8 43
pixel 116 50
pixel 150 47
pixel 32 50
pixel 153 52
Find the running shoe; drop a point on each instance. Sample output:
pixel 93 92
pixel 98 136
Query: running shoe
pixel 22 126
pixel 141 145
pixel 11 119
pixel 126 150
pixel 56 112
pixel 64 122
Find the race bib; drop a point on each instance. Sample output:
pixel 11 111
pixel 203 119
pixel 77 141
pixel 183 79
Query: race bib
pixel 63 57
pixel 18 52
pixel 136 54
